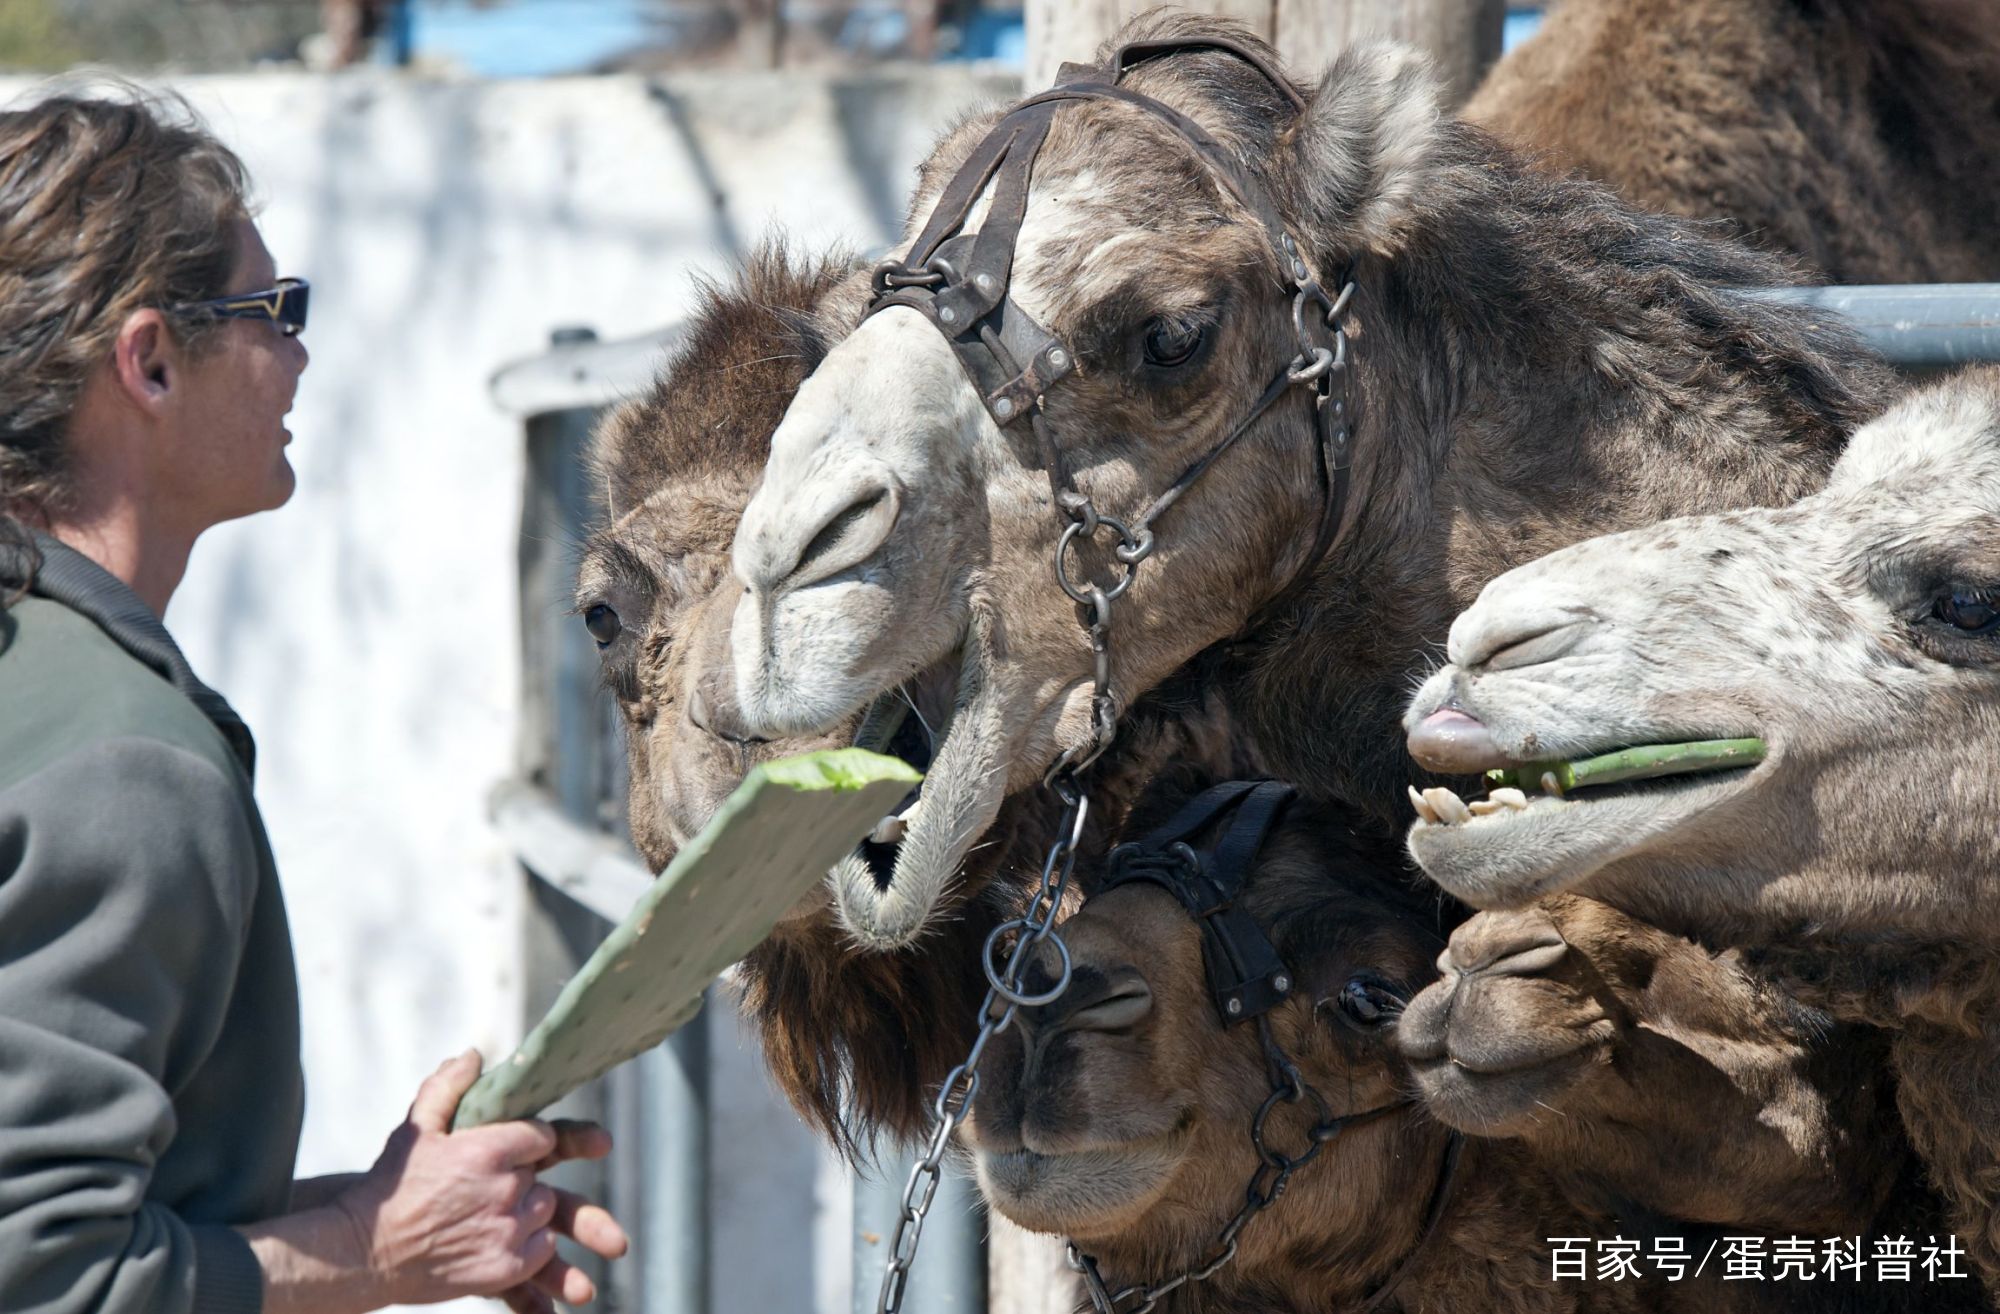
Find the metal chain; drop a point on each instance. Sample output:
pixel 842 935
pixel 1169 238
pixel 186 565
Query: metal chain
pixel 1005 996
pixel 1326 369
pixel 1266 1187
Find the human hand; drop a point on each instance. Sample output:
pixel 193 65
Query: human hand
pixel 444 1214
pixel 589 1225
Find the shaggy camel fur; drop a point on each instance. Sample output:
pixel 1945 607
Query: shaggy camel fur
pixel 856 1039
pixel 1859 135
pixel 1857 634
pixel 1119 1114
pixel 1533 362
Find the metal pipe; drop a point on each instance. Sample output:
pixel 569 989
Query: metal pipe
pixel 1916 326
pixel 950 1272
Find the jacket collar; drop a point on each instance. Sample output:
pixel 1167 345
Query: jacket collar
pixel 68 577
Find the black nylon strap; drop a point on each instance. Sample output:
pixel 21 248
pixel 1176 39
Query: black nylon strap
pixel 1246 976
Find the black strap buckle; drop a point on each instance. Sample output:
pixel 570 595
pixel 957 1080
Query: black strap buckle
pixel 1246 976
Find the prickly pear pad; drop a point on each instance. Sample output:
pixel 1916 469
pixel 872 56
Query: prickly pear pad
pixel 786 824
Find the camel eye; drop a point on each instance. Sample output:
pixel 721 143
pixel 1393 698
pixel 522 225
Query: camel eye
pixel 1173 343
pixel 1367 1001
pixel 1970 611
pixel 603 624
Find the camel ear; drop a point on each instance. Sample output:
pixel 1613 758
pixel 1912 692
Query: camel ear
pixel 1363 147
pixel 617 459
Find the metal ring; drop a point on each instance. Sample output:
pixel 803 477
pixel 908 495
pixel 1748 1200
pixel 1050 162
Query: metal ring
pixel 1006 992
pixel 1339 306
pixel 1070 534
pixel 1309 291
pixel 1301 372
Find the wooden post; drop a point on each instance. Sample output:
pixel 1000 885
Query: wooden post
pixel 1462 35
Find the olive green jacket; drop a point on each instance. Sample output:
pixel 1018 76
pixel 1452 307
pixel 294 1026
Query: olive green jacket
pixel 150 1085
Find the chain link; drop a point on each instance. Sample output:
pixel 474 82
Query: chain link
pixel 1326 368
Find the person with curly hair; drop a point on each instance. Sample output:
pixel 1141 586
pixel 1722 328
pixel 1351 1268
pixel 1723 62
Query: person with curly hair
pixel 151 1090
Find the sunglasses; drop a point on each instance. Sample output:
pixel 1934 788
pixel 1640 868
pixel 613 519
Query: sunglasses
pixel 283 305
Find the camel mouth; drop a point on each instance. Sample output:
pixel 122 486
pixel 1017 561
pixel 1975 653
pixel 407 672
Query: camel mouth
pixel 907 722
pixel 1518 786
pixel 1546 826
pixel 1081 1192
pixel 1487 1096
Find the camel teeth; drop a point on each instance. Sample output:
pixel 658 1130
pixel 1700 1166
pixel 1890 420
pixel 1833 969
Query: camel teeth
pixel 1423 807
pixel 1450 807
pixel 1508 796
pixel 1550 785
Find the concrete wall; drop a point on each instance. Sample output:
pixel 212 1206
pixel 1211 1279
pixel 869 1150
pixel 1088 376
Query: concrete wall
pixel 367 631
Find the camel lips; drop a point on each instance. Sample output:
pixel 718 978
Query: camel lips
pixel 1443 807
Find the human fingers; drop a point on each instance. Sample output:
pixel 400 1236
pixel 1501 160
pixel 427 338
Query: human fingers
pixel 538 1206
pixel 519 1143
pixel 538 1249
pixel 589 1225
pixel 437 1099
pixel 527 1298
pixel 565 1281
pixel 576 1140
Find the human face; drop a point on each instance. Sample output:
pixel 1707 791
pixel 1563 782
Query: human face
pixel 228 454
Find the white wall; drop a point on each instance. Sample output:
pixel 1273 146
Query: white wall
pixel 367 631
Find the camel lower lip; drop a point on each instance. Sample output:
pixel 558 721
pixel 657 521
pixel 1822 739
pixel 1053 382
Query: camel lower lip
pixel 1067 1192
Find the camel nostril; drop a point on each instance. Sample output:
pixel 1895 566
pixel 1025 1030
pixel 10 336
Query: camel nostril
pixel 1127 1006
pixel 1098 999
pixel 1525 944
pixel 849 537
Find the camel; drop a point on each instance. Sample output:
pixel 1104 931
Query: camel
pixel 1615 1054
pixel 1852 638
pixel 1856 135
pixel 1532 362
pixel 853 1039
pixel 1118 1114
pixel 856 1038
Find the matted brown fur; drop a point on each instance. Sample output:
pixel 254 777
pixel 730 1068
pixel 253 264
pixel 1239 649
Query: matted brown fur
pixel 1862 136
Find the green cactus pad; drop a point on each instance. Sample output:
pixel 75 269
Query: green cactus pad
pixel 776 836
pixel 1642 763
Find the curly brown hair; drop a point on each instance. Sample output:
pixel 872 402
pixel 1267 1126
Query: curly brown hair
pixel 110 201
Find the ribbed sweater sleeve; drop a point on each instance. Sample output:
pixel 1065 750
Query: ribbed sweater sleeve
pixel 126 884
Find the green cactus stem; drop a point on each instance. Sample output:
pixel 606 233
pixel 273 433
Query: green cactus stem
pixel 1644 763
pixel 770 842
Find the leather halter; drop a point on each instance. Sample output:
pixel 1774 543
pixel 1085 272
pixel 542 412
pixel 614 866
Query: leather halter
pixel 959 281
pixel 1247 979
pixel 1246 976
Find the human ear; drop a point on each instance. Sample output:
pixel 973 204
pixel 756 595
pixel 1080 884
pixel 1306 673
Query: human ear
pixel 146 359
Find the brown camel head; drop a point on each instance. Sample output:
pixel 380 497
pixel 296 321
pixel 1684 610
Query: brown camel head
pixel 1120 1114
pixel 1856 633
pixel 1532 364
pixel 678 465
pixel 854 1035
